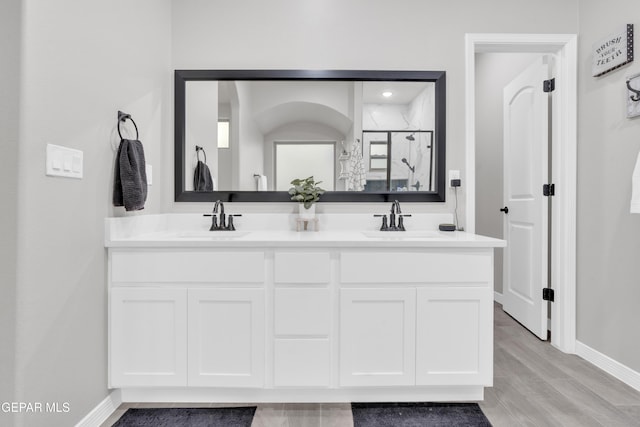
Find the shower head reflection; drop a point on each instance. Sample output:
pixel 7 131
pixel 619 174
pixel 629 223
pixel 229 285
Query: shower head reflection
pixel 412 168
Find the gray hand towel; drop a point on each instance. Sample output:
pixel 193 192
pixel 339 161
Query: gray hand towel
pixel 202 177
pixel 130 183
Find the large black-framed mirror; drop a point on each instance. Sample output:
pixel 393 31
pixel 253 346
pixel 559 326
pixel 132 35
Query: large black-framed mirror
pixel 370 136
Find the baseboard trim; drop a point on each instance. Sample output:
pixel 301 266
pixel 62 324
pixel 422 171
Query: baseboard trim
pixel 497 297
pixel 609 365
pixel 100 413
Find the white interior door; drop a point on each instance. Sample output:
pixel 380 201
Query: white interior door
pixel 526 122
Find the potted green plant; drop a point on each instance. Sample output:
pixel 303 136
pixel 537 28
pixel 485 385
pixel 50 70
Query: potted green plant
pixel 306 192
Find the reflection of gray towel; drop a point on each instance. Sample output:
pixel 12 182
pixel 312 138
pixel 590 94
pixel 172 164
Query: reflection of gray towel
pixel 130 183
pixel 202 177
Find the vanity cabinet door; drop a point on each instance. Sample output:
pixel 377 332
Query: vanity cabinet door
pixel 226 337
pixel 454 344
pixel 377 337
pixel 148 337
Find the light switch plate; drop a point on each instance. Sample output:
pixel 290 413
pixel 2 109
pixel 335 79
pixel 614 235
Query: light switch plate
pixel 149 172
pixel 63 161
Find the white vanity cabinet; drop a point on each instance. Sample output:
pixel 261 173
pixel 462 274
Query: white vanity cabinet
pixel 187 337
pixel 226 337
pixel 186 317
pixel 148 337
pixel 454 335
pixel 300 317
pixel 377 337
pixel 416 317
pixel 303 311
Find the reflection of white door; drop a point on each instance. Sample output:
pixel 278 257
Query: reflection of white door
pixel 526 118
pixel 298 160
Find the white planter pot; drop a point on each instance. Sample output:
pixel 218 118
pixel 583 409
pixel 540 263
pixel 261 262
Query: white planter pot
pixel 304 213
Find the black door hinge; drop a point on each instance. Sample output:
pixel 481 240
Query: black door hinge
pixel 549 190
pixel 549 85
pixel 547 294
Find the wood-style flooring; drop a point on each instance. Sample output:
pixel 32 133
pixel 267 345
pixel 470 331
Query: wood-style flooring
pixel 534 385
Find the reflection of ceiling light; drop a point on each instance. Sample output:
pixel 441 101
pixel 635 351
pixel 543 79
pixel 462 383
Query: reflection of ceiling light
pixel 387 94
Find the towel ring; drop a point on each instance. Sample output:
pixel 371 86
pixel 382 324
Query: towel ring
pixel 198 149
pixel 121 118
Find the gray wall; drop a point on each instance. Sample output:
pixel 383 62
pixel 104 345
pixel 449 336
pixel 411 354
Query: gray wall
pixel 336 34
pixel 10 35
pixel 82 61
pixel 493 72
pixel 608 235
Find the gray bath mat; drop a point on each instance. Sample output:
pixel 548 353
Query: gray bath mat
pixel 187 417
pixel 418 415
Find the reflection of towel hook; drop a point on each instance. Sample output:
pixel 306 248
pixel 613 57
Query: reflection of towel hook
pixel 198 149
pixel 123 117
pixel 636 96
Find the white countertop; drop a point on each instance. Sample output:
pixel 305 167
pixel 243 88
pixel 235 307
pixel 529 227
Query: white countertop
pixel 161 231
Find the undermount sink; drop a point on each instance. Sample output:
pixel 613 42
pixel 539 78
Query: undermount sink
pixel 212 235
pixel 422 234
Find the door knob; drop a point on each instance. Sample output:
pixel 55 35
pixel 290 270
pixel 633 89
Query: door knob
pixel 505 210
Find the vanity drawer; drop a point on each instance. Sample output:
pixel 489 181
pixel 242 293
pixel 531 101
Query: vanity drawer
pixel 178 266
pixel 302 267
pixel 439 266
pixel 302 311
pixel 302 363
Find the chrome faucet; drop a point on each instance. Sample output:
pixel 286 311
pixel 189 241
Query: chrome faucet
pixel 220 223
pixel 391 225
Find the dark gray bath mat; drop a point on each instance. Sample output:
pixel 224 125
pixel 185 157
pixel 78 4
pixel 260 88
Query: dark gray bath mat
pixel 187 417
pixel 418 415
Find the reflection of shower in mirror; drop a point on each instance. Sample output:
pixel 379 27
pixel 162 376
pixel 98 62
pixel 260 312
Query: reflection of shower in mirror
pixel 404 160
pixel 399 160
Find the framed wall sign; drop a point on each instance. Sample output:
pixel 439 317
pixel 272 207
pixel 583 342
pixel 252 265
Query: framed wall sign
pixel 613 51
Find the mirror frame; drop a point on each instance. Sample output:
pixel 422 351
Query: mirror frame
pixel 183 76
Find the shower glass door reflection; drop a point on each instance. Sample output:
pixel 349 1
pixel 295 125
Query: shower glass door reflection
pixel 399 160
